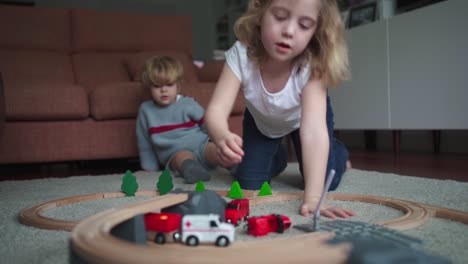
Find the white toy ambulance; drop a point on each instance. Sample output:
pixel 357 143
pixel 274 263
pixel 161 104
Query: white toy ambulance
pixel 197 229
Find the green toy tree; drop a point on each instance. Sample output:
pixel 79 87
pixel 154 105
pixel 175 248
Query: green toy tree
pixel 164 184
pixel 236 191
pixel 200 187
pixel 129 184
pixel 265 190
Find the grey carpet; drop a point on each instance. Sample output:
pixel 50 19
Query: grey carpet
pixel 22 244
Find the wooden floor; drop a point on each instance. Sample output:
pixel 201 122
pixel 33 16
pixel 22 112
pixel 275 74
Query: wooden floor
pixel 428 165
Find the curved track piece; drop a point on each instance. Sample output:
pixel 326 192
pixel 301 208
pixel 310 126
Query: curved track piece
pixel 31 216
pixel 92 242
pixel 415 214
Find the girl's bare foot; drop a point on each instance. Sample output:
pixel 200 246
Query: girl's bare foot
pixel 348 165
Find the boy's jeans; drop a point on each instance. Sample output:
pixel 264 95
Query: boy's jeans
pixel 266 157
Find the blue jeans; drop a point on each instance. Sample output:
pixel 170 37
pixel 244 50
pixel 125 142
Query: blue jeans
pixel 266 157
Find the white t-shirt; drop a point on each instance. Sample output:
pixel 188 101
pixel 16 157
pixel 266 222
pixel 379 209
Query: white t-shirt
pixel 275 114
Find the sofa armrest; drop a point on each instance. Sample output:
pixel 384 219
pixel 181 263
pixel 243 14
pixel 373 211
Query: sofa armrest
pixel 210 71
pixel 2 106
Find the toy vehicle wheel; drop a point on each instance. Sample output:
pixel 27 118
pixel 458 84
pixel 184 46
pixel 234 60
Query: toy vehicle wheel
pixel 160 238
pixel 176 236
pixel 280 224
pixel 222 241
pixel 192 241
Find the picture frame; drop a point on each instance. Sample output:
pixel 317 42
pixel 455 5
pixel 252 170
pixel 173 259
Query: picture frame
pixel 362 14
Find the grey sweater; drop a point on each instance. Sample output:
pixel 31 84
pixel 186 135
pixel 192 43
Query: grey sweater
pixel 164 131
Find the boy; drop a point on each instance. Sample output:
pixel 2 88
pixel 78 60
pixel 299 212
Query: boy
pixel 169 127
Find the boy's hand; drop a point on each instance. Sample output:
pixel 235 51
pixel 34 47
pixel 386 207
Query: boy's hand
pixel 229 149
pixel 330 212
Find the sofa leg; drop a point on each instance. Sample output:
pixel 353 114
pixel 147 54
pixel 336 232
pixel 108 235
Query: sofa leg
pixel 436 141
pixel 396 142
pixel 370 139
pixel 2 107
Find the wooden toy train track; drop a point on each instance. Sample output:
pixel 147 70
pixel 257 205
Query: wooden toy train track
pixel 91 239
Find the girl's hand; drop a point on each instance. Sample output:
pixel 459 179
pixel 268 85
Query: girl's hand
pixel 330 212
pixel 229 149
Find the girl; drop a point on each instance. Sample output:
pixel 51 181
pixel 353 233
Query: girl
pixel 288 52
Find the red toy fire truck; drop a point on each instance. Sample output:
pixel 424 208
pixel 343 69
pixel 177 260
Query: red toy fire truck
pixel 236 211
pixel 262 225
pixel 163 224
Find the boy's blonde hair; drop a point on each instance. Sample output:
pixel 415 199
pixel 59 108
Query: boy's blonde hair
pixel 162 70
pixel 326 52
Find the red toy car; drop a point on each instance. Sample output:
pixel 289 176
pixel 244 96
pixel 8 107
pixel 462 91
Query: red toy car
pixel 163 224
pixel 236 211
pixel 262 225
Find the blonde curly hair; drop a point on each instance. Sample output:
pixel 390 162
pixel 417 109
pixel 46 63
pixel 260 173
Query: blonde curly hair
pixel 326 52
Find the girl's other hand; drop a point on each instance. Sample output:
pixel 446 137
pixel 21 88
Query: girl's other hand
pixel 330 212
pixel 229 150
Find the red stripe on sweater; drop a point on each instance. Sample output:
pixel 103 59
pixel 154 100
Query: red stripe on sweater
pixel 162 129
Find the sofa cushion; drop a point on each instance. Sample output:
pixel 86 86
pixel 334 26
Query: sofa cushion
pixel 202 92
pixel 97 68
pixel 211 71
pixel 35 28
pixel 39 100
pixel 117 100
pixel 36 65
pixel 115 31
pixel 136 63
